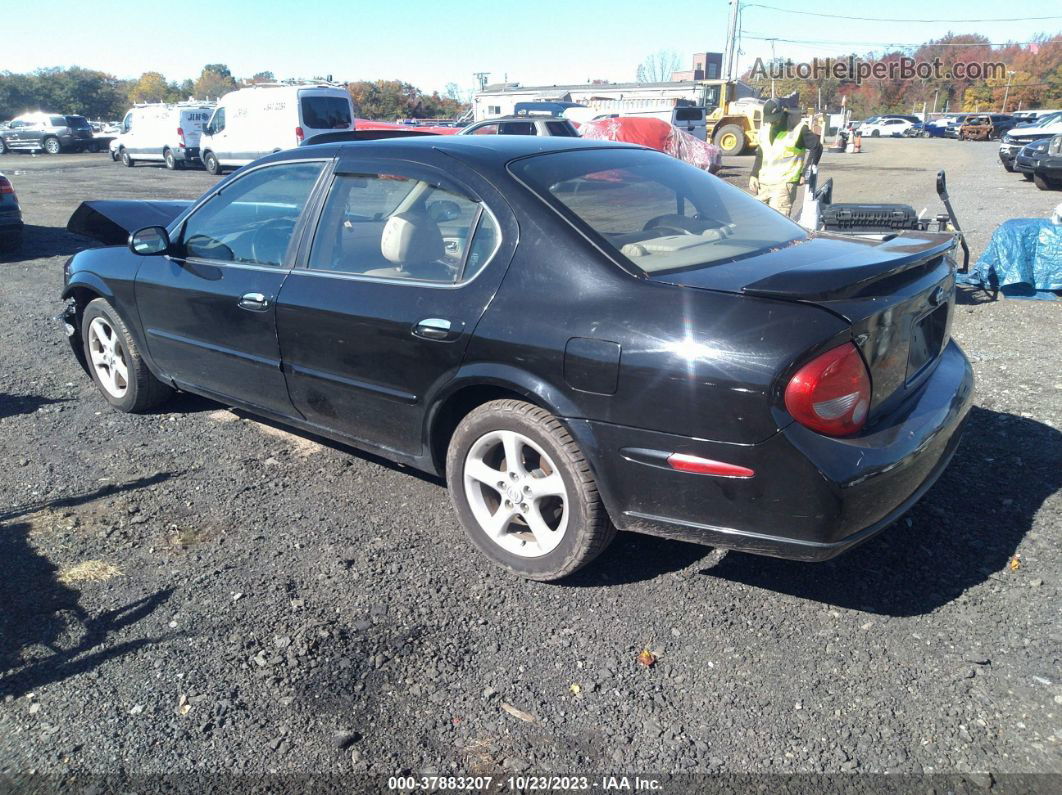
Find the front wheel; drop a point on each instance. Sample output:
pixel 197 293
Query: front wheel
pixel 52 146
pixel 127 161
pixel 730 138
pixel 115 362
pixel 524 492
pixel 211 164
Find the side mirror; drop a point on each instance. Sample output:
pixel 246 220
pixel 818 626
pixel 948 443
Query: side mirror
pixel 149 241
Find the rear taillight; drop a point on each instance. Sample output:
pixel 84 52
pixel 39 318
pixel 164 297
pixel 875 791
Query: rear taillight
pixel 299 134
pixel 6 187
pixel 831 393
pixel 180 136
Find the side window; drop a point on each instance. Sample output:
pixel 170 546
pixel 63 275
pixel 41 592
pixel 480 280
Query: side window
pixel 486 129
pixel 58 121
pixel 251 221
pixel 402 227
pixel 559 128
pixel 217 122
pixel 127 123
pixel 518 128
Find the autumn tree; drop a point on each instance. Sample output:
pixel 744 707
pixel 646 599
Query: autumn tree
pixel 214 80
pixel 151 87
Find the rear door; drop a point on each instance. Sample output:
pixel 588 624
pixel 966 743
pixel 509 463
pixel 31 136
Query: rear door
pixel 192 123
pixel 322 110
pixel 209 309
pixel 404 260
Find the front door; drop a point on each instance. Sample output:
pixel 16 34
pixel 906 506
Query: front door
pixel 403 263
pixel 209 307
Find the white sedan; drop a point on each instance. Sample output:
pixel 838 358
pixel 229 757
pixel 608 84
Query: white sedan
pixel 885 127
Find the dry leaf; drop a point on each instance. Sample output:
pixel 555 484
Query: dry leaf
pixel 518 713
pixel 576 689
pixel 647 658
pixel 1015 563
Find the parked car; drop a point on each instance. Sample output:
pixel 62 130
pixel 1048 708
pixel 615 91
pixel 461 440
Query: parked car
pixel 1047 173
pixel 1029 155
pixel 162 133
pixel 46 132
pixel 985 127
pixel 10 217
pixel 265 118
pixel 523 125
pixel 580 336
pixel 885 126
pixel 1043 128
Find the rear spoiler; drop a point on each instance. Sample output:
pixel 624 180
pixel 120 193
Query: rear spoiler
pixel 905 252
pixel 111 221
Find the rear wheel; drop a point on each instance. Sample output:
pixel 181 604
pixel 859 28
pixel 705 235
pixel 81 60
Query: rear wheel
pixel 211 164
pixel 3 147
pixel 730 138
pixel 875 133
pixel 52 146
pixel 115 362
pixel 524 492
pixel 172 163
pixel 127 161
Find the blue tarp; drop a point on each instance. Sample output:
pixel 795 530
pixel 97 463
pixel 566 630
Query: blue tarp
pixel 1023 258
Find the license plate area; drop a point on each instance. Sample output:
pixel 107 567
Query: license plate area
pixel 928 336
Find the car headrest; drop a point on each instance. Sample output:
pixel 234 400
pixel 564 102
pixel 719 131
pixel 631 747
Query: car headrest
pixel 411 237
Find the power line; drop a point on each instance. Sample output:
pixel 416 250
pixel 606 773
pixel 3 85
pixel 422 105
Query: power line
pixel 893 19
pixel 887 43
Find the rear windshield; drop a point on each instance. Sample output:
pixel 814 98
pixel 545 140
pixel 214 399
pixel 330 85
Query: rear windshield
pixel 326 113
pixel 78 122
pixel 688 114
pixel 660 214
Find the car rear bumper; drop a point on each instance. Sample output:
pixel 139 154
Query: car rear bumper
pixel 811 497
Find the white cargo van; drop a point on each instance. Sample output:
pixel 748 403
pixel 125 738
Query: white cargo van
pixel 258 120
pixel 162 133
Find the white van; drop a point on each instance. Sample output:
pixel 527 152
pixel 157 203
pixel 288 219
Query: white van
pixel 258 120
pixel 162 133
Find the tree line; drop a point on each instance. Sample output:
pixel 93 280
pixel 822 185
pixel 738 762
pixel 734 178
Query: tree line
pixel 1032 79
pixel 98 95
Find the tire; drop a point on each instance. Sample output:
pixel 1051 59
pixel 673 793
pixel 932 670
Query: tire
pixel 100 325
pixel 1043 183
pixel 115 155
pixel 211 164
pixel 127 161
pixel 573 525
pixel 52 146
pixel 172 163
pixel 732 136
pixel 3 147
pixel 875 133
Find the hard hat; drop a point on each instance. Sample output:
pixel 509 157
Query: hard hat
pixel 773 112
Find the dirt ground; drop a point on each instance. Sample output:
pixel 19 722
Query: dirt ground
pixel 194 590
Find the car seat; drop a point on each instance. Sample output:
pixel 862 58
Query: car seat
pixel 414 244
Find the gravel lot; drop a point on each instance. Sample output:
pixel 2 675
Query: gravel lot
pixel 196 590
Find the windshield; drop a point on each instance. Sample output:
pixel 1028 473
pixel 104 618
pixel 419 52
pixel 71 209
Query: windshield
pixel 326 113
pixel 656 212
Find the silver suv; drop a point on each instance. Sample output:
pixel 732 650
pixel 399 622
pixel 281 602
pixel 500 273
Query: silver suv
pixel 523 125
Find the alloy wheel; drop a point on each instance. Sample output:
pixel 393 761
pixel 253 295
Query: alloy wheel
pixel 108 358
pixel 516 493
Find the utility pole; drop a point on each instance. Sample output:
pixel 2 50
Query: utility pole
pixel 481 78
pixel 936 94
pixel 731 42
pixel 1006 93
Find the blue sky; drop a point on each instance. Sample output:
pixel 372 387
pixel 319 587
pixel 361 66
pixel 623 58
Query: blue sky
pixel 433 42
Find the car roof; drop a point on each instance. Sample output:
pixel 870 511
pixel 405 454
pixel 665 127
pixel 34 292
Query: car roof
pixel 490 150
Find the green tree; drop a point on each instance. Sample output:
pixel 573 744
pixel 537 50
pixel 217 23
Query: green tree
pixel 214 81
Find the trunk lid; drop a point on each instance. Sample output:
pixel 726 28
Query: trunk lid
pixel 898 295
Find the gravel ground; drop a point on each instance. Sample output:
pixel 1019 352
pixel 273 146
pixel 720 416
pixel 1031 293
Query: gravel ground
pixel 195 590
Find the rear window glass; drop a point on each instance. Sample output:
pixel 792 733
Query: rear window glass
pixel 660 214
pixel 688 114
pixel 57 121
pixel 326 113
pixel 78 122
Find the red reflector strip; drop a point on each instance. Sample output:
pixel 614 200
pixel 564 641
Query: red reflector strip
pixel 706 466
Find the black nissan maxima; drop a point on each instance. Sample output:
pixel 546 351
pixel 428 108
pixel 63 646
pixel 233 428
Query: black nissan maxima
pixel 580 337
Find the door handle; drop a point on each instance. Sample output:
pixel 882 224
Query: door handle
pixel 435 328
pixel 255 302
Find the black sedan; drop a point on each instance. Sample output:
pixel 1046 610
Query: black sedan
pixel 1029 155
pixel 580 337
pixel 1047 172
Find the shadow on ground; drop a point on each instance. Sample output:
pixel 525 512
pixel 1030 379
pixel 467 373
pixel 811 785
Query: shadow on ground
pixel 11 405
pixel 966 528
pixel 39 242
pixel 45 634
